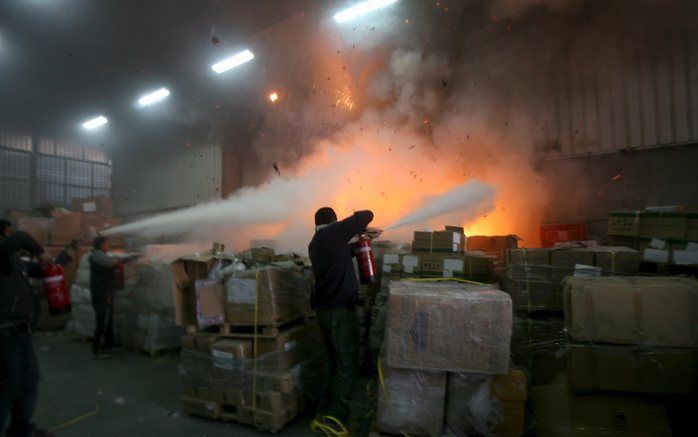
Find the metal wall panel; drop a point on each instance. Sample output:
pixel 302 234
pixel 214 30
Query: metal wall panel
pixel 645 95
pixel 16 165
pixel 170 180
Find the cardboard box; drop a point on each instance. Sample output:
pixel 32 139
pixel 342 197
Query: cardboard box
pixel 66 227
pixel 528 263
pixel 450 240
pixel 484 405
pixel 561 414
pixel 496 245
pixel 275 294
pixel 616 260
pixel 38 227
pixel 534 295
pixel 563 261
pixel 200 407
pixel 666 226
pixel 656 255
pixel 455 265
pixel 592 368
pixel 659 311
pixel 411 402
pixel 398 264
pixel 448 326
pixel 258 254
pixel 186 271
pixel 230 352
pixel 685 257
pixel 663 225
pixel 93 205
pixel 210 302
pixel 199 342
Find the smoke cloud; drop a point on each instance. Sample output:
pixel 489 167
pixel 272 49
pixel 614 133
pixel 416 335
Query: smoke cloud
pixel 471 199
pixel 428 114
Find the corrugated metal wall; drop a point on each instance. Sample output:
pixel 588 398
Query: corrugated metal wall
pixel 38 171
pixel 173 179
pixel 645 94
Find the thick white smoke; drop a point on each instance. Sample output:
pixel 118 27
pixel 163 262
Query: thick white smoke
pixel 471 200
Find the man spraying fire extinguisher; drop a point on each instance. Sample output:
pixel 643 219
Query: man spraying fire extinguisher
pixel 19 313
pixel 335 292
pixel 106 277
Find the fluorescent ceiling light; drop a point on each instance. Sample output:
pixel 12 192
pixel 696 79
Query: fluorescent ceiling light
pixel 95 122
pixel 153 97
pixel 361 9
pixel 233 61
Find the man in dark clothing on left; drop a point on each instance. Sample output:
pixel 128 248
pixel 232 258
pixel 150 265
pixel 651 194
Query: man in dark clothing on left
pixel 19 313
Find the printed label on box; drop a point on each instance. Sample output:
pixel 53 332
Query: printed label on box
pixel 89 207
pixel 241 290
pixel 453 264
pixel 387 268
pixel 391 258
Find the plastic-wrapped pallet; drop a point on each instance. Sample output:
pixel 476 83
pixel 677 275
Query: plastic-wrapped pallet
pixel 411 402
pixel 448 326
pixel 486 405
pixel 220 378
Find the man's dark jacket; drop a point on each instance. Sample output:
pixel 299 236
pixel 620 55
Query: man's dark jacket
pixel 335 279
pixel 19 304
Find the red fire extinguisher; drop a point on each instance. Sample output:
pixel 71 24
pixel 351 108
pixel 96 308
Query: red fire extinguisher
pixel 56 289
pixel 364 259
pixel 119 276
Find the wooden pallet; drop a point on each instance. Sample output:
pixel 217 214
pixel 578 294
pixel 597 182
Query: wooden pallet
pixel 262 330
pixel 265 421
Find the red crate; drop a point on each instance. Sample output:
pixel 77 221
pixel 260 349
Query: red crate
pixel 551 233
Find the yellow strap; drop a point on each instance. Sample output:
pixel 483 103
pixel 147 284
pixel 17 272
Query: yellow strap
pixel 254 342
pixel 431 242
pixel 75 420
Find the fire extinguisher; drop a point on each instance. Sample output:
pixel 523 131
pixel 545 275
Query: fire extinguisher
pixel 364 259
pixel 56 289
pixel 119 276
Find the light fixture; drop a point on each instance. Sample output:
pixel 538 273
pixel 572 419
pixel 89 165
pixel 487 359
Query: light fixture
pixel 233 61
pixel 361 9
pixel 95 122
pixel 153 97
pixel 273 97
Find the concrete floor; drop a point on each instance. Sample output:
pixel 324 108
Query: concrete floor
pixel 135 395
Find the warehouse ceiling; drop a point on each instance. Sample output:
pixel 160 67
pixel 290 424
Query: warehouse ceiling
pixel 63 60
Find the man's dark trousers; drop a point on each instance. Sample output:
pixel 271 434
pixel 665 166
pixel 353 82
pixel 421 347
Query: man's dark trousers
pixel 19 381
pixel 104 326
pixel 340 335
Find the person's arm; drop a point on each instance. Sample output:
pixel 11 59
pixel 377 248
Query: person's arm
pixel 19 240
pixel 354 224
pixel 129 258
pixel 104 260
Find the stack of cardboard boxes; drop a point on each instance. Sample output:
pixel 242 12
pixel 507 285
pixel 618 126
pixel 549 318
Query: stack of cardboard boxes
pixel 534 277
pixel 440 334
pixel 665 236
pixel 250 342
pixel 629 335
